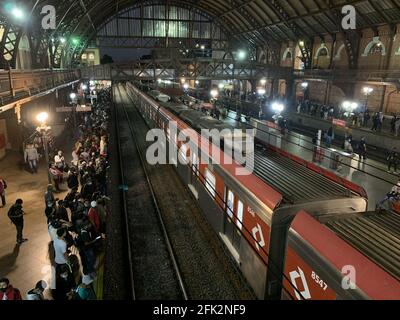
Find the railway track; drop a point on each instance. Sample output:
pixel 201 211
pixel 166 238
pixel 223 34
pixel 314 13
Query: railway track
pixel 206 270
pixel 154 272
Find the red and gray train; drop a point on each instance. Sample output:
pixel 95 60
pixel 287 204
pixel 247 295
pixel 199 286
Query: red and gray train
pixel 295 230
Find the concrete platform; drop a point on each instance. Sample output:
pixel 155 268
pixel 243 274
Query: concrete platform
pixel 27 263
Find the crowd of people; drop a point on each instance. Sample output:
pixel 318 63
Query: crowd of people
pixel 77 223
pixel 360 117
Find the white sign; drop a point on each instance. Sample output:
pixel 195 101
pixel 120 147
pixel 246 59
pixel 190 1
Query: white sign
pixel 294 275
pixel 257 230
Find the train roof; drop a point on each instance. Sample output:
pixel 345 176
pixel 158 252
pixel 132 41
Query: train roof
pixel 376 235
pixel 295 182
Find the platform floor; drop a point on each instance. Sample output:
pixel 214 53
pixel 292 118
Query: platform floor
pixel 370 174
pixel 27 263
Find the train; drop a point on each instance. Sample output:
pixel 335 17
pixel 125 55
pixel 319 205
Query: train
pixel 296 231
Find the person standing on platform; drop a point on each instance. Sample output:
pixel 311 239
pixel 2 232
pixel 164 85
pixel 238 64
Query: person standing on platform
pixel 16 215
pixel 3 187
pixel 362 149
pixel 31 157
pixel 393 160
pixel 59 161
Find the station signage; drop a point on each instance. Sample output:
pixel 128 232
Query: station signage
pixel 78 109
pixel 339 123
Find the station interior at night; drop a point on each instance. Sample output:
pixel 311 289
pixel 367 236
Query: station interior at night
pixel 200 150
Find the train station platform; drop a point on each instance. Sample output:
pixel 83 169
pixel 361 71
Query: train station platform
pixel 370 174
pixel 29 262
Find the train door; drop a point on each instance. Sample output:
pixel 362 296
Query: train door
pixel 193 173
pixel 233 207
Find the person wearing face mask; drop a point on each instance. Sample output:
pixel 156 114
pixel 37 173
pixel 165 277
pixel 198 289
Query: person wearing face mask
pixel 7 291
pixel 64 283
pixel 37 292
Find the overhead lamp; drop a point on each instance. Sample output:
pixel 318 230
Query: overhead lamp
pixel 185 86
pixel 214 93
pixel 278 107
pixel 72 96
pixel 62 40
pixel 301 43
pixel 42 117
pixel 197 82
pixel 221 86
pixel 241 54
pixel 368 90
pixel 202 47
pixel 261 91
pixel 304 85
pixel 84 87
pixel 263 81
pixel 17 13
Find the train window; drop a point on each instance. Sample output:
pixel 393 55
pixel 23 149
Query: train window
pixel 239 214
pixel 230 201
pixel 195 164
pixel 210 182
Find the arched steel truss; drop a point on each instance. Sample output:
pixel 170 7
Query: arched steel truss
pixel 262 24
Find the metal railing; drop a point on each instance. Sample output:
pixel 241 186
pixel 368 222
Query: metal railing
pixel 18 84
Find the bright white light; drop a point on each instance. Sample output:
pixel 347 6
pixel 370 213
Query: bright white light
pixel 301 43
pixel 91 82
pixel 62 40
pixel 354 105
pixel 278 107
pixel 242 54
pixel 263 82
pixel 368 90
pixel 72 96
pixel 214 93
pixel 84 87
pixel 17 13
pixel 183 80
pixel 168 81
pixel 221 85
pixel 42 117
pixel 159 80
pixel 346 104
pixel 202 47
pixel 197 82
pixel 186 86
pixel 261 91
pixel 304 85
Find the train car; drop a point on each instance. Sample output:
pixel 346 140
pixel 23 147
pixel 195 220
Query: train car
pixel 158 96
pixel 275 220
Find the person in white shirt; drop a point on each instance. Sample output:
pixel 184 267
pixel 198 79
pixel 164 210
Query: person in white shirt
pixel 59 160
pixel 60 250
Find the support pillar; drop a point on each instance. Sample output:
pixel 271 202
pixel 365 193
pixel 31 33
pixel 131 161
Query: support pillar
pixel 290 94
pixel 383 98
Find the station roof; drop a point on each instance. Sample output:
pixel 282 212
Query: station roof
pixel 256 21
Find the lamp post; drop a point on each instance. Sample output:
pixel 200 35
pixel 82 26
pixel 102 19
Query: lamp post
pixel 43 129
pixel 214 94
pixel 261 92
pixel 367 91
pixel 73 102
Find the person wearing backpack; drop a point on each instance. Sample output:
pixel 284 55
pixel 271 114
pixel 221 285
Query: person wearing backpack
pixel 16 215
pixel 3 187
pixel 7 291
pixel 85 290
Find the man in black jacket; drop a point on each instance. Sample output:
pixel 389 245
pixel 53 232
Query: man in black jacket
pixel 393 160
pixel 16 215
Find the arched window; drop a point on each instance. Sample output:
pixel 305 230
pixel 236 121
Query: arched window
pixel 288 55
pixel 323 52
pixel 376 49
